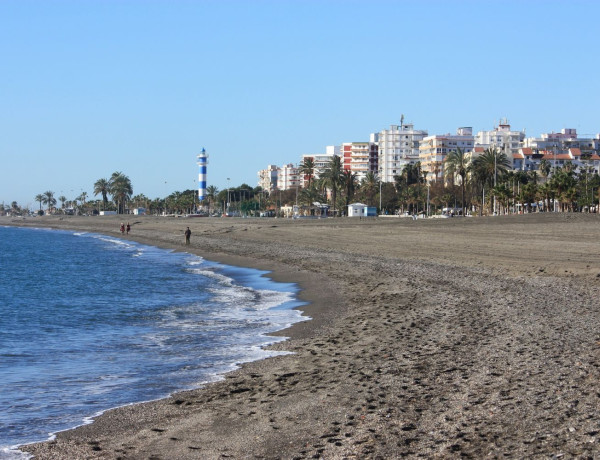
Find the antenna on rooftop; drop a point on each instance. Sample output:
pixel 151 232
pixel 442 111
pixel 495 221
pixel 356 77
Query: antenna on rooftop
pixel 401 120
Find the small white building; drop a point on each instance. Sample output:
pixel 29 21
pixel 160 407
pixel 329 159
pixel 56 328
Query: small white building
pixel 361 210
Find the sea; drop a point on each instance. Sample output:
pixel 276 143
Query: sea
pixel 90 322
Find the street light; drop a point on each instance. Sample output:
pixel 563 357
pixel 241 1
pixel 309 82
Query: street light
pixel 380 182
pixel 227 209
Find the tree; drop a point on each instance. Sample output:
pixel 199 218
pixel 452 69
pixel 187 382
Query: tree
pixel 408 184
pixel 490 165
pixel 62 200
pixel 332 178
pixel 102 186
pixel 49 200
pixel 307 169
pixel 458 163
pixel 39 198
pixel 545 168
pixel 121 190
pixel 211 195
pixel 349 183
pixel 369 187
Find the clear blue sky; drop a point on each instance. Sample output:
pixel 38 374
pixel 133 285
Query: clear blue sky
pixel 96 86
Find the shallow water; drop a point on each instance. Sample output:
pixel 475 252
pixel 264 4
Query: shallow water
pixel 90 322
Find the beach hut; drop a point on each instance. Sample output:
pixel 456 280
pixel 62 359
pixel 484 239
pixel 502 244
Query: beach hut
pixel 361 210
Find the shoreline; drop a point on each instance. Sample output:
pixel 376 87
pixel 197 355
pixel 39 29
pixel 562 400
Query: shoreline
pixel 217 376
pixel 434 339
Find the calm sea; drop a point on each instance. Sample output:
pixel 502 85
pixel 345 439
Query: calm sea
pixel 90 322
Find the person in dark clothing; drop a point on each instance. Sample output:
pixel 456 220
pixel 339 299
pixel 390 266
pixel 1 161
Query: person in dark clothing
pixel 128 228
pixel 188 233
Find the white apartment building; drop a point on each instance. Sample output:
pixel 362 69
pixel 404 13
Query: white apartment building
pixel 360 158
pixel 267 178
pixel 502 138
pixel 433 150
pixel 563 141
pixel 397 147
pixel 321 161
pixel 289 177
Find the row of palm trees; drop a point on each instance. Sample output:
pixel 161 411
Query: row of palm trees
pixel 118 186
pixel 486 183
pixel 555 188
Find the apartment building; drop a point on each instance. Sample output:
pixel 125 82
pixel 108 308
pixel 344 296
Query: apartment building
pixel 289 177
pixel 433 150
pixel 503 138
pixel 321 161
pixel 528 159
pixel 564 140
pixel 360 158
pixel 397 147
pixel 267 178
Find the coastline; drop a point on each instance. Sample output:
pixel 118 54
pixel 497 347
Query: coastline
pixel 413 349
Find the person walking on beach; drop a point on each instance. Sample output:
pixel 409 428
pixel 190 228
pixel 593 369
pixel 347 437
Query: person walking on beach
pixel 122 228
pixel 128 228
pixel 188 233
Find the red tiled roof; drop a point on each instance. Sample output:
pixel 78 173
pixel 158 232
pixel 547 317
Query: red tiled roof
pixel 575 152
pixel 519 155
pixel 526 151
pixel 558 156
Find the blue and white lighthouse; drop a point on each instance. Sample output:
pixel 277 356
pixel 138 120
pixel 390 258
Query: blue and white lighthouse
pixel 202 160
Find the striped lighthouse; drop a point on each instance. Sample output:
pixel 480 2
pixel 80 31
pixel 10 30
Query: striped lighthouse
pixel 202 160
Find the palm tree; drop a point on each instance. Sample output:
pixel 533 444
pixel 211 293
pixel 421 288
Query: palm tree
pixel 82 197
pixel 332 178
pixel 488 166
pixel 39 198
pixel 211 195
pixel 369 187
pixel 307 169
pixel 62 200
pixel 49 200
pixel 458 163
pixel 102 186
pixel 408 184
pixel 545 168
pixel 349 183
pixel 121 190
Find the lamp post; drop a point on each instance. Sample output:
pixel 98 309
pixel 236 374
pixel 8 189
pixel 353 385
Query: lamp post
pixel 380 182
pixel 227 208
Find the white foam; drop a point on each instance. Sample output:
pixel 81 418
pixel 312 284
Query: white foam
pixel 225 280
pixel 12 453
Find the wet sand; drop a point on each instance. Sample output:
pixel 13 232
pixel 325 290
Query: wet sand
pixel 433 338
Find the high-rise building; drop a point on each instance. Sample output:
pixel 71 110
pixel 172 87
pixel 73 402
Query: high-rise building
pixel 321 161
pixel 267 178
pixel 289 177
pixel 360 158
pixel 503 138
pixel 397 147
pixel 434 150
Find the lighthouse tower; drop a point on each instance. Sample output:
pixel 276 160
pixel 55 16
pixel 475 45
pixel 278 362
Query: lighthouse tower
pixel 202 160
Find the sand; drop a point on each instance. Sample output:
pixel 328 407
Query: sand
pixel 437 338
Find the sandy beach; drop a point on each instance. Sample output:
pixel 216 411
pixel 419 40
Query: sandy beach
pixel 436 338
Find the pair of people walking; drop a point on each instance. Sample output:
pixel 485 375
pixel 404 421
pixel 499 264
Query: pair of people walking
pixel 125 228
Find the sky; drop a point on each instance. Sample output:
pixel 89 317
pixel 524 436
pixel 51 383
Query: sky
pixel 90 87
